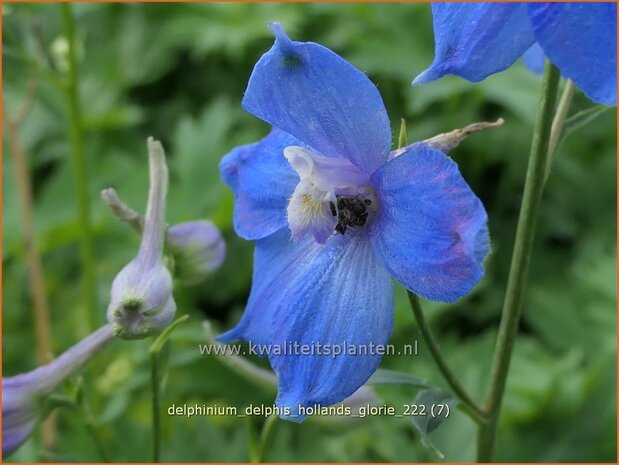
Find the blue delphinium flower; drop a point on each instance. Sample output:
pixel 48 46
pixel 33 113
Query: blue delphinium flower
pixel 23 396
pixel 334 220
pixel 474 40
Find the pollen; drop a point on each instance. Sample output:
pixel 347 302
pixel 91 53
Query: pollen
pixel 312 208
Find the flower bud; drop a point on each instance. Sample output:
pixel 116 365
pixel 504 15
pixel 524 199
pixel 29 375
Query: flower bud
pixel 198 249
pixel 141 301
pixel 23 396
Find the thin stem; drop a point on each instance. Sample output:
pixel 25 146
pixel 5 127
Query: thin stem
pixel 155 383
pixel 241 366
pixel 89 422
pixel 470 407
pixel 557 123
pixel 36 281
pixel 402 142
pixel 512 305
pixel 252 441
pixel 156 391
pixel 33 259
pixel 80 173
pixel 266 437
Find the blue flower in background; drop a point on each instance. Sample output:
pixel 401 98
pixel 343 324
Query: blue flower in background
pixel 334 221
pixel 474 40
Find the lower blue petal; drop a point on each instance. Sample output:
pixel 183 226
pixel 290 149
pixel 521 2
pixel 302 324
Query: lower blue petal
pixel 431 230
pixel 277 261
pixel 474 40
pixel 262 181
pixel 581 40
pixel 336 295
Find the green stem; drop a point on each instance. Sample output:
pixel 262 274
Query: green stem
pixel 266 437
pixel 469 406
pixel 89 423
pixel 80 174
pixel 155 382
pixel 557 123
pixel 156 391
pixel 252 441
pixel 523 244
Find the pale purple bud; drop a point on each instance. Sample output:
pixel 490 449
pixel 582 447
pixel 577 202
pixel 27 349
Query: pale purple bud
pixel 141 301
pixel 198 249
pixel 23 395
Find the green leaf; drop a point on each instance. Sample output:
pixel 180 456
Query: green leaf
pixel 383 376
pixel 156 347
pixel 437 407
pixel 580 119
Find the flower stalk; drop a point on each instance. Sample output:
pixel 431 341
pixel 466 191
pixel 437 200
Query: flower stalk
pixel 516 282
pixel 557 123
pixel 155 378
pixel 470 407
pixel 80 175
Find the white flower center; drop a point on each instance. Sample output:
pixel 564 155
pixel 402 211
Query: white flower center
pixel 332 196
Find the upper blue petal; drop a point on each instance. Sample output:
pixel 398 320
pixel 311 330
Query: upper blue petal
pixel 306 294
pixel 310 92
pixel 581 40
pixel 474 40
pixel 534 58
pixel 431 230
pixel 262 181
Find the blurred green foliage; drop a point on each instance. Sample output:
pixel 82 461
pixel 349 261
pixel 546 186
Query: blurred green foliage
pixel 178 72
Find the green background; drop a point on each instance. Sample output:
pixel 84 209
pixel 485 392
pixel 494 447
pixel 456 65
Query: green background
pixel 178 72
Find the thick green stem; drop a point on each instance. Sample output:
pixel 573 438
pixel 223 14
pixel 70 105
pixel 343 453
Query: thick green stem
pixel 470 407
pixel 80 175
pixel 523 244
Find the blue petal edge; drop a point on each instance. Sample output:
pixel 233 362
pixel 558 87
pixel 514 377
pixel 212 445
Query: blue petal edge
pixel 431 230
pixel 262 181
pixel 312 93
pixel 581 40
pixel 475 40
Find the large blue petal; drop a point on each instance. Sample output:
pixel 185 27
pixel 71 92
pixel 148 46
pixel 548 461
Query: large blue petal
pixel 474 40
pixel 305 294
pixel 581 40
pixel 262 181
pixel 278 260
pixel 431 230
pixel 310 92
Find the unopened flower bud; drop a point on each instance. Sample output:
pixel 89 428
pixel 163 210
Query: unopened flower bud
pixel 198 249
pixel 141 301
pixel 23 396
pixel 141 304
